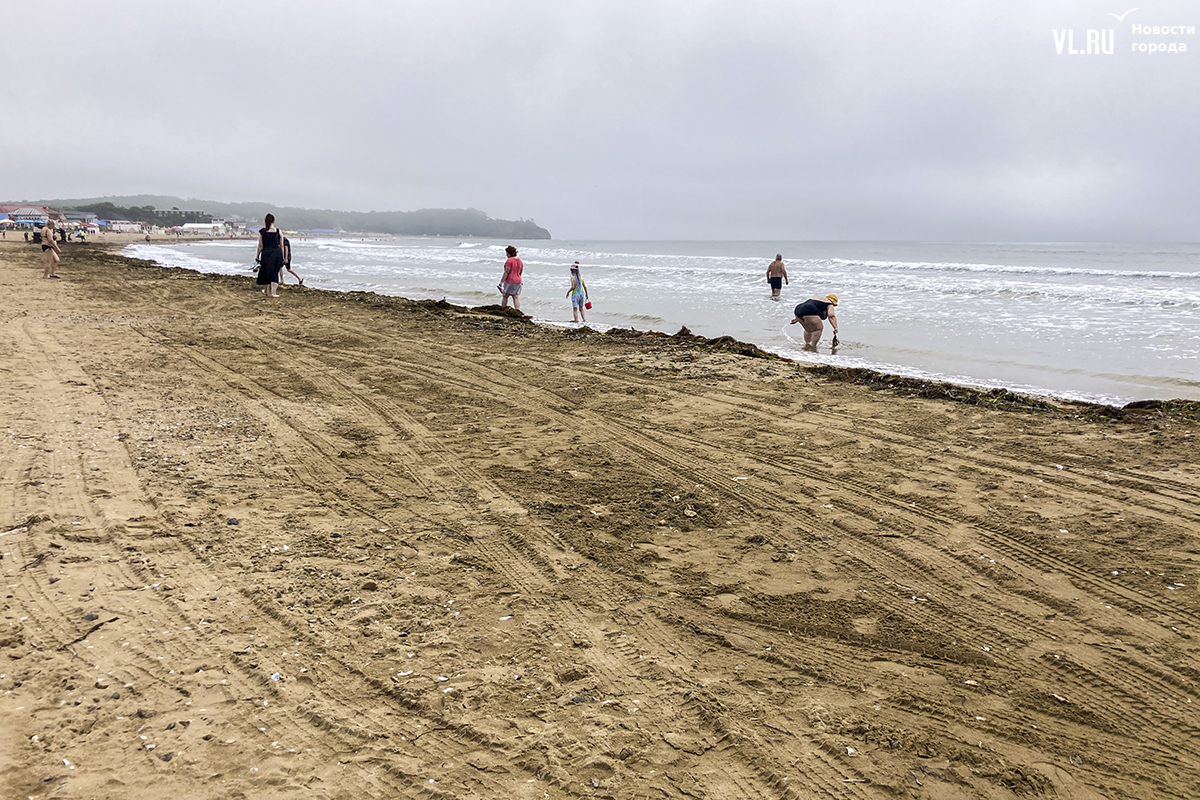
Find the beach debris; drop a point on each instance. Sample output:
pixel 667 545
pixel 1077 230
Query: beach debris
pixel 232 521
pixel 1060 698
pixel 1076 759
pixel 851 751
pixel 275 676
pixel 595 783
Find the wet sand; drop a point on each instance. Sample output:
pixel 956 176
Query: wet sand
pixel 344 546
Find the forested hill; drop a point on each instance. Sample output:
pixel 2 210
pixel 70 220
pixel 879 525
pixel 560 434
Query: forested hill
pixel 423 222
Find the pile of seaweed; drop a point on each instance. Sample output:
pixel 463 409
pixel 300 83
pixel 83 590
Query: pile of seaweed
pixel 719 344
pixel 1137 411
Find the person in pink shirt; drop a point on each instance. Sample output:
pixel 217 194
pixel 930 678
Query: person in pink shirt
pixel 510 284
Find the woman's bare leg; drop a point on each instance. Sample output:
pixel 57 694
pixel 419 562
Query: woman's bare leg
pixel 813 326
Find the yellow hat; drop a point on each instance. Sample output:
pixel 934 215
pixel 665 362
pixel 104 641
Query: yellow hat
pixel 831 298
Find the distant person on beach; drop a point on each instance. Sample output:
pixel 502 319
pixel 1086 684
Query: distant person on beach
pixel 578 294
pixel 287 261
pixel 776 275
pixel 50 251
pixel 510 284
pixel 810 313
pixel 269 257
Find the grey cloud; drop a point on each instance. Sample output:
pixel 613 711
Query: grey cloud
pixel 648 119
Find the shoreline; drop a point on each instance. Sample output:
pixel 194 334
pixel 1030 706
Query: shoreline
pixel 908 384
pixel 347 544
pixel 1128 383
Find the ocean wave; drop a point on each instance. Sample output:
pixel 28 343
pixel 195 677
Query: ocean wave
pixel 1001 268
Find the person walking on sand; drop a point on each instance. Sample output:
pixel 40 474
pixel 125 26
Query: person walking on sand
pixel 287 261
pixel 269 257
pixel 578 294
pixel 50 251
pixel 510 284
pixel 776 276
pixel 810 313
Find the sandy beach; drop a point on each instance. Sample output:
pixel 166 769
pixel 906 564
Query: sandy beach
pixel 346 546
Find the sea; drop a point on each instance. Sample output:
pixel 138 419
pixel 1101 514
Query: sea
pixel 1104 323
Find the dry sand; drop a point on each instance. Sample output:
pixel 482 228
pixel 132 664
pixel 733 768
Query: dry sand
pixel 343 546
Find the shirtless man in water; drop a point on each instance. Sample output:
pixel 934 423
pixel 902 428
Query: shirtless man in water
pixel 776 276
pixel 50 251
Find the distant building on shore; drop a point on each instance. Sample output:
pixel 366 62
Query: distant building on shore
pixel 121 226
pixel 30 216
pixel 188 216
pixel 213 228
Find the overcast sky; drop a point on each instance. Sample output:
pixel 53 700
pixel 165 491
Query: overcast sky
pixel 873 119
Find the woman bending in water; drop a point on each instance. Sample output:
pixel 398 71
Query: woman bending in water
pixel 810 313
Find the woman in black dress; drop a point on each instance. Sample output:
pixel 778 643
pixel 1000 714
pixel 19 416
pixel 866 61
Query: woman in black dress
pixel 269 257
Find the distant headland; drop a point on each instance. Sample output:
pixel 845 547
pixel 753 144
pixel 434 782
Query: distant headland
pixel 159 210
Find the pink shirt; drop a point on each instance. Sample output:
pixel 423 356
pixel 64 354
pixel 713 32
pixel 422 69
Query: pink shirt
pixel 512 270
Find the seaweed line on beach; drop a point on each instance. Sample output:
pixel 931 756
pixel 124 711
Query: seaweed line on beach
pixel 998 398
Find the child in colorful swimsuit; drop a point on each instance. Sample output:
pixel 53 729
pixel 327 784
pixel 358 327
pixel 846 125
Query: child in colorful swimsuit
pixel 578 294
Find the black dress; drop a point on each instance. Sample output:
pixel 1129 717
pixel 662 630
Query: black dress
pixel 270 260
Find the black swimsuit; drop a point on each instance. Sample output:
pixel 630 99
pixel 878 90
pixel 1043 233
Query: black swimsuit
pixel 813 308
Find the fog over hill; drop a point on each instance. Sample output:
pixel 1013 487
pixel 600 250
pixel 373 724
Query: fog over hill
pixel 422 222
